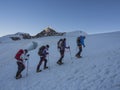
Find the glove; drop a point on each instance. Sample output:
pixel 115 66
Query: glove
pixel 84 46
pixel 68 47
pixel 26 59
pixel 28 55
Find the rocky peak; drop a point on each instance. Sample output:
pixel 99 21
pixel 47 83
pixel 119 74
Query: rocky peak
pixel 48 32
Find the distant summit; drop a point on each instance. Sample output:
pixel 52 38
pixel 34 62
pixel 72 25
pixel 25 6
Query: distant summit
pixel 48 32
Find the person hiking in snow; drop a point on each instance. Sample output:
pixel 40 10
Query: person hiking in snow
pixel 21 56
pixel 80 43
pixel 43 52
pixel 61 46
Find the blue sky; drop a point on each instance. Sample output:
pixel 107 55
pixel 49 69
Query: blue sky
pixel 32 16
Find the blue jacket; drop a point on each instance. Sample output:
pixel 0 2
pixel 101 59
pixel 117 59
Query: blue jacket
pixel 81 42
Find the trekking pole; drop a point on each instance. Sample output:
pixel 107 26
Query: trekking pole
pixel 48 62
pixel 70 53
pixel 76 48
pixel 27 66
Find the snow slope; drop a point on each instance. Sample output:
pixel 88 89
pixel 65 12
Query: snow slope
pixel 97 70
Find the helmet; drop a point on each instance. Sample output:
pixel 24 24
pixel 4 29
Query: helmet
pixel 26 51
pixel 47 46
pixel 64 39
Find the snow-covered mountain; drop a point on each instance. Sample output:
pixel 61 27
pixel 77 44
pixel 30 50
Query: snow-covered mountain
pixel 20 36
pixel 14 37
pixel 97 70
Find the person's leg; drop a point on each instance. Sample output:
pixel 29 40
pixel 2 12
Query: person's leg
pixel 21 67
pixel 79 52
pixel 62 56
pixel 18 71
pixel 80 49
pixel 39 64
pixel 45 64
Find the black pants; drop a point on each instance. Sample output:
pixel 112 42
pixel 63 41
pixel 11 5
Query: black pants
pixel 61 55
pixel 80 50
pixel 40 62
pixel 21 67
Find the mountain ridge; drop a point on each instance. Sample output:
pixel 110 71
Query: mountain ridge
pixel 45 33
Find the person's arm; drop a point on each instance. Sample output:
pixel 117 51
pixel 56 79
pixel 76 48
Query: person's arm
pixel 24 57
pixel 45 52
pixel 66 46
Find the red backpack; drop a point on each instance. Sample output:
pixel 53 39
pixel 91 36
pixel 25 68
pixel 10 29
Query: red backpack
pixel 18 54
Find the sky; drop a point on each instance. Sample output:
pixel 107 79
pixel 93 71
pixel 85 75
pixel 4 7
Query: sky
pixel 32 16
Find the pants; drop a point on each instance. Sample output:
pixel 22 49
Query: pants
pixel 40 62
pixel 21 67
pixel 80 50
pixel 61 55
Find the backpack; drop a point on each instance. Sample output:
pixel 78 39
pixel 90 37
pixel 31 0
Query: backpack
pixel 59 44
pixel 18 54
pixel 78 40
pixel 40 52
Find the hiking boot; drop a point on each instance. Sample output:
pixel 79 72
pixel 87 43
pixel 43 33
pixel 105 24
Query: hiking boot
pixel 59 62
pixel 19 76
pixel 38 71
pixel 45 67
pixel 78 56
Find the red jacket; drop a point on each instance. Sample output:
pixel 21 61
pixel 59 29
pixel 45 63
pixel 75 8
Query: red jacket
pixel 18 54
